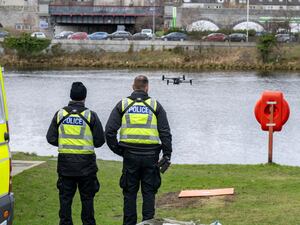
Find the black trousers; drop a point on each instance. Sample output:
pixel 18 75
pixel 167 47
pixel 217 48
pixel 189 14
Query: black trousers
pixel 139 170
pixel 88 186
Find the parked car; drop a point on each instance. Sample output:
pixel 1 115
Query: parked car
pixel 238 37
pixel 148 32
pixel 39 35
pixel 6 195
pixel 98 36
pixel 78 36
pixel 215 37
pixel 260 33
pixel 3 34
pixel 174 36
pixel 122 35
pixel 285 38
pixel 140 36
pixel 63 35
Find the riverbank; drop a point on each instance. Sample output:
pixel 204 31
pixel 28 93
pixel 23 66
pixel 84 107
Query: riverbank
pixel 265 194
pixel 212 58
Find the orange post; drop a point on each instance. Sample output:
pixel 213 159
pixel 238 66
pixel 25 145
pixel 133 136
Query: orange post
pixel 270 160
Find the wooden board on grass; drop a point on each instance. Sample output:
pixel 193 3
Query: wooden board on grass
pixel 206 192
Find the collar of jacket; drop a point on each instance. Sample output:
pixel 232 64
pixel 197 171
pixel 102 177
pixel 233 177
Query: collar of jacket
pixel 76 104
pixel 139 94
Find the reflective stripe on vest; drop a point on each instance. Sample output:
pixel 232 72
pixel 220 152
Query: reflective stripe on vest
pixel 139 123
pixel 75 136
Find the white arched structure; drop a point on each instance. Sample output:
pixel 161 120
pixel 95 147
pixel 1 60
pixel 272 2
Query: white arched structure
pixel 251 26
pixel 295 27
pixel 202 25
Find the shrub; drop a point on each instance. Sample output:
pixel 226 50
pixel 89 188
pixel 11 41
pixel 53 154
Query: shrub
pixel 265 46
pixel 131 48
pixel 57 50
pixel 25 45
pixel 178 50
pixel 152 48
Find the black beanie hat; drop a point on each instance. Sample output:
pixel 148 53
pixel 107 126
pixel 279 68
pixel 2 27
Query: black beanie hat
pixel 78 91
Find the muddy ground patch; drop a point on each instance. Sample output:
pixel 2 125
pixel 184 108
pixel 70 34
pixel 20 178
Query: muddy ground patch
pixel 170 200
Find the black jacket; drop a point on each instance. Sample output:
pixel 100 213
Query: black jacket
pixel 115 121
pixel 74 164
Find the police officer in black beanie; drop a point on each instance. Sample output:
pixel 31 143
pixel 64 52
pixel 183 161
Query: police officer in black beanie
pixel 76 131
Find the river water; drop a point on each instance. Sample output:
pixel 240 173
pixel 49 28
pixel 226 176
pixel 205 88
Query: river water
pixel 212 121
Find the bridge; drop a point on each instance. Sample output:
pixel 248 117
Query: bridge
pixel 98 14
pixel 228 17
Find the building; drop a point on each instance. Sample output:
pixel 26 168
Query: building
pixel 102 15
pixel 254 4
pixel 22 3
pixel 25 15
pixel 216 14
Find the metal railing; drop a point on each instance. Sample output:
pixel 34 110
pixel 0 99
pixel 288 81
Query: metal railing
pixel 105 10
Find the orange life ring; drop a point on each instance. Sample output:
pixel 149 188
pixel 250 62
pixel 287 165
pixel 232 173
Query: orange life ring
pixel 281 110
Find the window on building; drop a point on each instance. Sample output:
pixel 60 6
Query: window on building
pixel 27 27
pixel 19 27
pixel 242 1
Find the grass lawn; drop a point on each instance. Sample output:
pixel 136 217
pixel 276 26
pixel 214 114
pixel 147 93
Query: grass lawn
pixel 265 194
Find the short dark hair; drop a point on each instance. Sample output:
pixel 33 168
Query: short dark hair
pixel 140 82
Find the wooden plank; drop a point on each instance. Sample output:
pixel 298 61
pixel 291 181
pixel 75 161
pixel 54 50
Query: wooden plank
pixel 206 192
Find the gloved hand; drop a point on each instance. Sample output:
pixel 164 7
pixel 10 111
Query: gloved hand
pixel 164 164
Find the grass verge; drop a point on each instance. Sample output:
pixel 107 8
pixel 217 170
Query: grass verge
pixel 265 194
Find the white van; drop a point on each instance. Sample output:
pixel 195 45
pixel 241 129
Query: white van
pixel 148 32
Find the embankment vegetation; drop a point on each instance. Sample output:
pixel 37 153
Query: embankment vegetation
pixel 264 194
pixel 266 56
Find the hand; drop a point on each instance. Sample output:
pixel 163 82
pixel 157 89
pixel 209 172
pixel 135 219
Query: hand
pixel 164 164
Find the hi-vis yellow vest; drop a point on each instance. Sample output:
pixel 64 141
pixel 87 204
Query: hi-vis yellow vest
pixel 139 123
pixel 75 136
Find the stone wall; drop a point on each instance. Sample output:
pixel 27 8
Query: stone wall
pixel 18 3
pixel 124 46
pixel 21 18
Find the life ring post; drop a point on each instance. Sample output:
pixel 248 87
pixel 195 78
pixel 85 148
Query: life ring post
pixel 271 124
pixel 272 112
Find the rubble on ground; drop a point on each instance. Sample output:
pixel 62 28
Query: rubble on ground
pixel 167 222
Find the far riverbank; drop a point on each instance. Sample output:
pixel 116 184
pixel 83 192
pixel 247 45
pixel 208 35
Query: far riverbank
pixel 286 58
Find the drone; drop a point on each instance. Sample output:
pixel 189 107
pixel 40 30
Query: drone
pixel 176 80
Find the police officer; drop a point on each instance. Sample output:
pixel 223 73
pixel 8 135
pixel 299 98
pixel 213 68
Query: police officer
pixel 76 131
pixel 144 133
